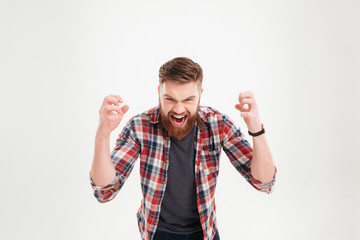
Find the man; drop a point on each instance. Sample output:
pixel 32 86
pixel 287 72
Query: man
pixel 179 145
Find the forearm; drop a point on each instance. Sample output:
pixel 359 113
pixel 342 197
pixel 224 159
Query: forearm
pixel 102 170
pixel 262 164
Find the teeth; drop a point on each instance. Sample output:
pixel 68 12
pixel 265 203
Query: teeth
pixel 179 119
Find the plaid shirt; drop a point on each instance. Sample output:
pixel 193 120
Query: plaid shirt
pixel 144 136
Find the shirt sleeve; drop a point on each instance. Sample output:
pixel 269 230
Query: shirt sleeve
pixel 240 153
pixel 123 156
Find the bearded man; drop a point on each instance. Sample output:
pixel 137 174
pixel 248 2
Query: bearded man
pixel 179 144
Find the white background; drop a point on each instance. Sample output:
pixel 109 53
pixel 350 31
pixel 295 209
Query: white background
pixel 59 59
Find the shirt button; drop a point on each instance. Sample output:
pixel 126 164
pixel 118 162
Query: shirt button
pixel 167 138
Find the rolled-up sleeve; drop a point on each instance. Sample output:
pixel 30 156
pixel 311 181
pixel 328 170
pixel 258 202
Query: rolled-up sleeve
pixel 240 153
pixel 263 187
pixel 107 193
pixel 123 156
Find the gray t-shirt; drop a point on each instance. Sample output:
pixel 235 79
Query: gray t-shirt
pixel 179 213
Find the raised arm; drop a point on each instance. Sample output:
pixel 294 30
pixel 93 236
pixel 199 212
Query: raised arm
pixel 111 114
pixel 262 164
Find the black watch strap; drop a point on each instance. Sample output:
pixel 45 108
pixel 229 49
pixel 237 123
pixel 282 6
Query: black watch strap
pixel 258 133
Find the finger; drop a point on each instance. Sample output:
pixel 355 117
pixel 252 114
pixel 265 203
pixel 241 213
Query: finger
pixel 117 115
pixel 112 109
pixel 110 99
pixel 124 109
pixel 242 108
pixel 113 99
pixel 247 94
pixel 246 103
pixel 118 97
pixel 245 108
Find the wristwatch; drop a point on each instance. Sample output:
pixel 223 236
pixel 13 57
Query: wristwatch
pixel 258 133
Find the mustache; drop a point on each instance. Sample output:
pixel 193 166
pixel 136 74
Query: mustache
pixel 183 113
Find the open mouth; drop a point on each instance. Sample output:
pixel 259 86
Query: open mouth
pixel 178 121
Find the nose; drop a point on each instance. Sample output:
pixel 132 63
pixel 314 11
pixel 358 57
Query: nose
pixel 179 108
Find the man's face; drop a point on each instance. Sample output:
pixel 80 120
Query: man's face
pixel 179 104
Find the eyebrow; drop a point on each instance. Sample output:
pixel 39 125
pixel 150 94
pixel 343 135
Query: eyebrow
pixel 167 95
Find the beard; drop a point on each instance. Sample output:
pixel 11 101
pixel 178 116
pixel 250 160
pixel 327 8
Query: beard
pixel 178 132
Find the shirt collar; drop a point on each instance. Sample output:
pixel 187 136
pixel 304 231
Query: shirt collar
pixel 155 115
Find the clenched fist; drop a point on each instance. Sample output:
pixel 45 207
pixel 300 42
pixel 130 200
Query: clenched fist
pixel 249 111
pixel 110 114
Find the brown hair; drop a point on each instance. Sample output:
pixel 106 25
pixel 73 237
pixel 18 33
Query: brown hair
pixel 181 69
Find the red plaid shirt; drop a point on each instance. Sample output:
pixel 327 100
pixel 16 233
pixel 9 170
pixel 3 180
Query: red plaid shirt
pixel 144 136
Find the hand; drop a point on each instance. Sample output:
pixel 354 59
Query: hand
pixel 249 111
pixel 110 114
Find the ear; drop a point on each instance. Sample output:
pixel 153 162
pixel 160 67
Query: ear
pixel 159 89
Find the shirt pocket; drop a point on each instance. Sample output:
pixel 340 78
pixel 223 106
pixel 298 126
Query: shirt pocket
pixel 210 161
